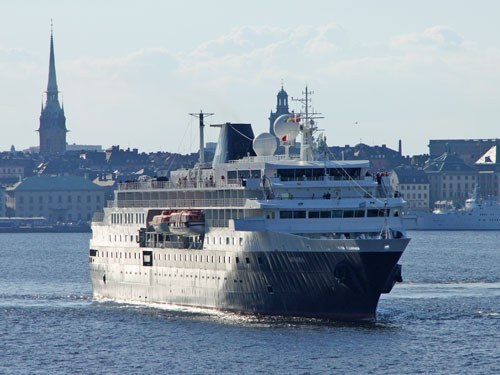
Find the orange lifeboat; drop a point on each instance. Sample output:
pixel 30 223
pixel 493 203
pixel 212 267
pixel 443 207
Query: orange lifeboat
pixel 160 223
pixel 187 222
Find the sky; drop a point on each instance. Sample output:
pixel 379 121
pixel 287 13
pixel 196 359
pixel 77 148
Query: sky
pixel 130 72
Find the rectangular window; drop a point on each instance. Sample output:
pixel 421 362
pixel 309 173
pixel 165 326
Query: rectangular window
pixel 359 213
pixel 241 241
pixel 325 214
pixel 348 213
pixel 313 214
pixel 337 214
pixel 299 214
pixel 286 214
pixel 372 213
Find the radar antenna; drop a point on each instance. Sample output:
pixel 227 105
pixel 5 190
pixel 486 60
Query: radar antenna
pixel 309 126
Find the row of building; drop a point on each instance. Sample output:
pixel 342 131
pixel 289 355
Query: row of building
pixel 69 183
pixel 450 177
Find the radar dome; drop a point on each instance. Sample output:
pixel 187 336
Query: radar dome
pixel 265 144
pixel 286 127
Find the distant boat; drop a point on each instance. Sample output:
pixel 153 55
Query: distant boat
pixel 477 214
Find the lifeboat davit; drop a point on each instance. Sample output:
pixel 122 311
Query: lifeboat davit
pixel 187 222
pixel 160 223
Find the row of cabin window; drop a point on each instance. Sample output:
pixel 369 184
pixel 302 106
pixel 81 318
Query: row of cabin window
pixel 106 254
pixel 175 257
pixel 125 236
pixel 228 241
pixel 329 214
pixel 128 218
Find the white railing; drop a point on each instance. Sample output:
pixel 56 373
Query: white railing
pixel 180 184
pixel 188 203
pixel 217 222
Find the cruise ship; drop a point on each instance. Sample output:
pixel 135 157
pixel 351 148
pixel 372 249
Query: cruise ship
pixel 477 214
pixel 254 232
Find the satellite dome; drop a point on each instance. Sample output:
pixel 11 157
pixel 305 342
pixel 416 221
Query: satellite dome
pixel 286 127
pixel 265 144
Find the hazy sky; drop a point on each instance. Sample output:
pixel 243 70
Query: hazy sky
pixel 130 71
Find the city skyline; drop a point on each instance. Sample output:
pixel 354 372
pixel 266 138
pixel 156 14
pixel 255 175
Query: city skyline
pixel 130 77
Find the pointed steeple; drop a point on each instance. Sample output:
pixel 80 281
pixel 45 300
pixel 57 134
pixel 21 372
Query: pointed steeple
pixel 52 85
pixel 52 119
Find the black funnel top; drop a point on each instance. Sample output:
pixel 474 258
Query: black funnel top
pixel 235 142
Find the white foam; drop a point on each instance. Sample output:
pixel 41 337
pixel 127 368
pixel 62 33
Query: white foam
pixel 444 290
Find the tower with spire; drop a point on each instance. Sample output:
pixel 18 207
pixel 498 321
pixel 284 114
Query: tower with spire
pixel 52 129
pixel 281 108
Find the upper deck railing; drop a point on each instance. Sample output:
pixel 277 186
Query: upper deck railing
pixel 180 184
pixel 180 203
pixel 223 183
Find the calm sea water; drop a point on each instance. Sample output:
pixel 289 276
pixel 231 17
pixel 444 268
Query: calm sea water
pixel 444 319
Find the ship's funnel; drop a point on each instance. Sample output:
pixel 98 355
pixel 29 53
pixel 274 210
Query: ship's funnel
pixel 235 142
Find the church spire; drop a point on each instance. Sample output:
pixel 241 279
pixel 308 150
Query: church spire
pixel 52 85
pixel 52 120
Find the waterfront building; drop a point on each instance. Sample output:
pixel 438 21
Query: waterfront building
pixel 52 129
pixel 382 158
pixel 488 167
pixel 11 172
pixel 413 185
pixel 450 178
pixel 57 198
pixel 2 201
pixel 127 160
pixel 469 150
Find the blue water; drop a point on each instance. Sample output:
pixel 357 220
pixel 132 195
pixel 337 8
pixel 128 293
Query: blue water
pixel 444 319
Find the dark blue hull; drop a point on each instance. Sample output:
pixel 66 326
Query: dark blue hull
pixel 337 285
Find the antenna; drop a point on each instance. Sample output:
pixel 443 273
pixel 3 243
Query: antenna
pixel 309 127
pixel 202 116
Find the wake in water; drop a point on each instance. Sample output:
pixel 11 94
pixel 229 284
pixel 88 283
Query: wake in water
pixel 227 317
pixel 444 290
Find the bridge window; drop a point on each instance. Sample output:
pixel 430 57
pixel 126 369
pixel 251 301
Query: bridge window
pixel 325 214
pixel 348 213
pixel 359 213
pixel 313 214
pixel 337 214
pixel 299 214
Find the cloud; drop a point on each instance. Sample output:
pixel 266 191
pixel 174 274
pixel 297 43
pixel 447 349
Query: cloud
pixel 436 37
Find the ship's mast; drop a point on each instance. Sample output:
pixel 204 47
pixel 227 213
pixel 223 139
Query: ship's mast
pixel 202 116
pixel 308 127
